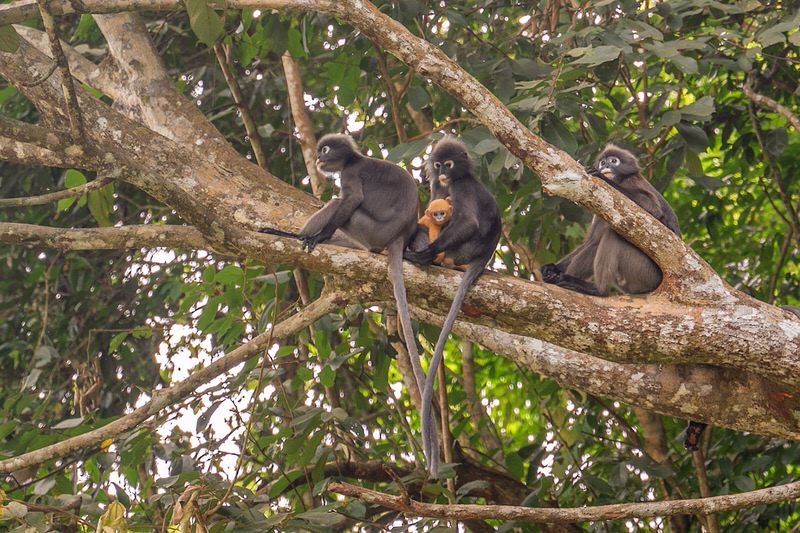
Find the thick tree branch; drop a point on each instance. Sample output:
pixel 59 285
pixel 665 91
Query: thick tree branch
pixel 621 511
pixel 738 400
pixel 166 397
pixel 686 274
pixel 720 396
pixel 126 237
pixel 55 196
pixel 148 93
pixel 24 153
pixel 102 78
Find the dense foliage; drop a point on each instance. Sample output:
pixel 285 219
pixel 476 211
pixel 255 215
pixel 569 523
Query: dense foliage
pixel 85 337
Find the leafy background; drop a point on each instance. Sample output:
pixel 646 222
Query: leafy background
pixel 84 337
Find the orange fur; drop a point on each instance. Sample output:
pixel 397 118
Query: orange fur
pixel 434 226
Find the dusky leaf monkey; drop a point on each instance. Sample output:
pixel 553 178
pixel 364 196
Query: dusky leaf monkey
pixel 377 208
pixel 604 255
pixel 469 239
pixel 437 214
pixel 608 258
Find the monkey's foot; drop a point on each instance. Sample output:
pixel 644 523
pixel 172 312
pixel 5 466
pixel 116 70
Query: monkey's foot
pixel 693 433
pixel 550 273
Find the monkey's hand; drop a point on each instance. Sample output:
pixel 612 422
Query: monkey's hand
pixel 422 257
pixel 593 172
pixel 550 273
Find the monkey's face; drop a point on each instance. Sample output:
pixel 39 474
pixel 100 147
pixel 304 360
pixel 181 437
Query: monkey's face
pixel 333 152
pixel 617 163
pixel 439 216
pixel 449 161
pixel 440 211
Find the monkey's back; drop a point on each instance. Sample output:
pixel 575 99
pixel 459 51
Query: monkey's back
pixel 390 206
pixel 470 194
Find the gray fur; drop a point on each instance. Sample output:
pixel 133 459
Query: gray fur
pixel 604 255
pixel 377 208
pixel 470 238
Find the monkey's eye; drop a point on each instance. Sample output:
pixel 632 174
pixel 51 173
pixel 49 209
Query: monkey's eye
pixel 448 164
pixel 325 149
pixel 613 161
pixel 437 165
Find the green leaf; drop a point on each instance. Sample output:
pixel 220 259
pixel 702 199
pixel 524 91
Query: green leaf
pixel 100 204
pixel 230 275
pixel 205 22
pixel 321 518
pixel 327 376
pixel 515 465
pixel 275 34
pixel 695 137
pixel 744 483
pixel 686 64
pixel 9 40
pixel 73 178
pixel 294 44
pixel 702 109
pixel 418 97
pixel 116 340
pixel 591 56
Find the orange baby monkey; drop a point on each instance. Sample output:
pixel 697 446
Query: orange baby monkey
pixel 437 215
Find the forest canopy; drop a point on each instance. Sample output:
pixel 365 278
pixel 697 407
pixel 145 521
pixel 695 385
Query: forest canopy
pixel 163 367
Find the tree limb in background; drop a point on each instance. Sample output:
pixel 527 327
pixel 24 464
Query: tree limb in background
pixel 305 131
pixel 236 92
pixel 620 511
pixel 771 104
pixel 164 398
pixel 71 99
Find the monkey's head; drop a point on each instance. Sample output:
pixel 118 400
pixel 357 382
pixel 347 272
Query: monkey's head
pixel 440 210
pixel 334 151
pixel 449 161
pixel 615 162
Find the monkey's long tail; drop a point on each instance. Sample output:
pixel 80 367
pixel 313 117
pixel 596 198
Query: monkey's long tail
pixel 280 233
pixel 430 439
pixel 474 270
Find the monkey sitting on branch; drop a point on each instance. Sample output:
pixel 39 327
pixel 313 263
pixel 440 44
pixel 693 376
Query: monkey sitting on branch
pixel 607 257
pixel 377 208
pixel 470 238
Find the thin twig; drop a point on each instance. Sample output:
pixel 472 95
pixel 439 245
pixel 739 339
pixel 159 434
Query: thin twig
pixel 70 97
pixel 794 219
pixel 705 490
pixel 247 117
pixel 771 104
pixel 161 399
pixel 55 196
pixel 391 89
pixel 776 273
pixel 619 511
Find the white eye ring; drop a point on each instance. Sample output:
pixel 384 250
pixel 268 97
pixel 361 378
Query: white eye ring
pixel 436 165
pixel 448 164
pixel 613 161
pixel 325 149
